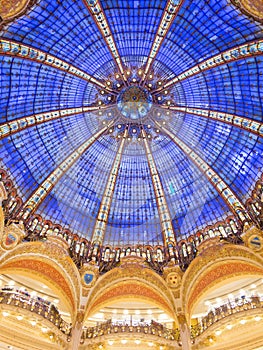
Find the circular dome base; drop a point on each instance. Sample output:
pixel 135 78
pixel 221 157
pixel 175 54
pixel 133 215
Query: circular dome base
pixel 134 102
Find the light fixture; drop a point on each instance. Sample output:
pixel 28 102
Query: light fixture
pixel 128 72
pixel 150 343
pixel 108 83
pixel 102 92
pixel 137 341
pixel 134 80
pixel 159 83
pixel 117 76
pixel 33 323
pixel 110 342
pixel 123 341
pixel 257 318
pixel 44 329
pixel 19 317
pixel 109 98
pixel 253 286
pixel 149 312
pixel 218 300
pixel 218 332
pixel 118 85
pixel 5 313
pixel 229 326
pixel 150 85
pixel 243 321
pixel 11 283
pixel 137 312
pixel 126 312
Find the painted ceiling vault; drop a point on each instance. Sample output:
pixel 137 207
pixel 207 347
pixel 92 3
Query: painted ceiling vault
pixel 132 122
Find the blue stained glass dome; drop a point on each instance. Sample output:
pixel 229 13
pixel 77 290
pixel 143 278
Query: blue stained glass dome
pixel 127 130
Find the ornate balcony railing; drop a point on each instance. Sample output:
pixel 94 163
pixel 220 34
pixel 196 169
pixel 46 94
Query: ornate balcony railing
pixel 110 328
pixel 226 310
pixel 36 305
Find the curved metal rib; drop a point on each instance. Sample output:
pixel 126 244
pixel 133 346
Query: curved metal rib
pixel 17 125
pixel 102 217
pixel 222 188
pixel 96 11
pixel 48 184
pixel 244 123
pixel 12 48
pixel 170 12
pixel 251 49
pixel 164 213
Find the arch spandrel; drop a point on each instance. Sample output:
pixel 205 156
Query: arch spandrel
pixel 51 265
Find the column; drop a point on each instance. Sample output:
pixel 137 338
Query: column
pixel 76 333
pixel 184 332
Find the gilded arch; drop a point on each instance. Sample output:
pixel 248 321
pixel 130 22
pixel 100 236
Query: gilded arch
pixel 131 283
pixel 48 263
pixel 214 264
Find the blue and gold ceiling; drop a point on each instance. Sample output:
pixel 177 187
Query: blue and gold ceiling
pixel 132 122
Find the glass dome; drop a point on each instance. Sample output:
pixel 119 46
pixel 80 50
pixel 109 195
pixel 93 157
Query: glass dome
pixel 132 122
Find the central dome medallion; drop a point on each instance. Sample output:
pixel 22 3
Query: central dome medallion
pixel 134 102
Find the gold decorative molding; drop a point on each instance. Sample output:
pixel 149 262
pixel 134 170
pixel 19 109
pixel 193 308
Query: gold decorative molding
pixel 89 275
pixel 12 236
pixel 11 9
pixel 253 239
pixel 251 8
